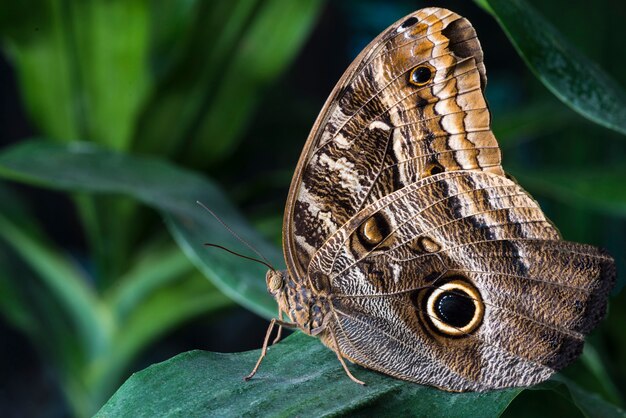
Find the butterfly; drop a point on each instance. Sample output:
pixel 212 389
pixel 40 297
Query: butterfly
pixel 409 250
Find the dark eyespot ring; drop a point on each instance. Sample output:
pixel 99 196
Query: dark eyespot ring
pixel 409 22
pixel 421 75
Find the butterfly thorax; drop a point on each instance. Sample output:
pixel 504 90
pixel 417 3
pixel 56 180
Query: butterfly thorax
pixel 304 307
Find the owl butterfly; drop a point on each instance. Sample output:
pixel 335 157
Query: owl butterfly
pixel 408 249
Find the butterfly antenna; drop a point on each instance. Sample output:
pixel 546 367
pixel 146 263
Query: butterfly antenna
pixel 262 260
pixel 240 255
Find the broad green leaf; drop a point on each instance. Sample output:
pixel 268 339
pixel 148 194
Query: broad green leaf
pixel 232 52
pixel 266 46
pixel 82 66
pixel 565 71
pixel 299 377
pixel 65 282
pixel 83 167
pixel 591 405
pixel 179 98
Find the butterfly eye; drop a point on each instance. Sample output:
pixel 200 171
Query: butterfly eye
pixel 420 75
pixel 455 308
pixel 274 281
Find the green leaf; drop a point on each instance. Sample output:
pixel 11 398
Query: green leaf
pixel 82 167
pixel 232 52
pixel 591 405
pixel 178 100
pixel 153 268
pixel 82 66
pixel 268 44
pixel 566 72
pixel 65 283
pixel 299 377
pixel 160 312
pixel 111 41
pixel 36 43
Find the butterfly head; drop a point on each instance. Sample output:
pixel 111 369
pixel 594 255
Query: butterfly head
pixel 275 281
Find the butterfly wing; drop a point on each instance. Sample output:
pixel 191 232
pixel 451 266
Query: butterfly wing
pixel 459 281
pixel 409 106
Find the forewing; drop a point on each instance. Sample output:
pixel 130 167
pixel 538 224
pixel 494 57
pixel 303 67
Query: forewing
pixel 385 126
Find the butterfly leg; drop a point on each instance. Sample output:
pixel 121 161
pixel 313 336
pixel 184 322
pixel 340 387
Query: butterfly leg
pixel 278 335
pixel 340 357
pixel 273 322
pixel 280 328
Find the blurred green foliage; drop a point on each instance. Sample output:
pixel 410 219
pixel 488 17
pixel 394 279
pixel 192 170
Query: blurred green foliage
pixel 149 84
pixel 175 79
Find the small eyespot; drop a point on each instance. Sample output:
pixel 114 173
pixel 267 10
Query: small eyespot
pixel 420 75
pixel 373 231
pixel 409 22
pixel 432 169
pixel 428 245
pixel 436 169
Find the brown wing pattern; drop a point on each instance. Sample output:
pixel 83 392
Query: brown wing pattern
pixel 409 106
pixel 538 295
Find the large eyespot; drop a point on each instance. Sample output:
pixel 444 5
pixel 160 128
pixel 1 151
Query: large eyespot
pixel 421 75
pixel 455 308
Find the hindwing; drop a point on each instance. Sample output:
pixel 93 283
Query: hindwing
pixel 519 300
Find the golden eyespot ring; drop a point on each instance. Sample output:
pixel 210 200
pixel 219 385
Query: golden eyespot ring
pixel 421 75
pixel 455 308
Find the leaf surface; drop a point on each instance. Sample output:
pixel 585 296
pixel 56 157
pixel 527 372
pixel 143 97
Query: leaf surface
pixel 299 377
